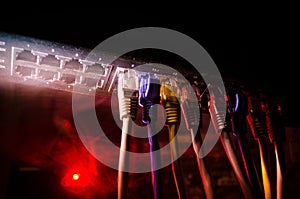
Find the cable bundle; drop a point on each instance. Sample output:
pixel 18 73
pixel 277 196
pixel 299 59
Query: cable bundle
pixel 238 111
pixel 275 129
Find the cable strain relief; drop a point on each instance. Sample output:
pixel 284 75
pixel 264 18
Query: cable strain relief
pixel 146 111
pixel 134 105
pixel 172 112
pixel 194 117
pixel 275 126
pixel 257 122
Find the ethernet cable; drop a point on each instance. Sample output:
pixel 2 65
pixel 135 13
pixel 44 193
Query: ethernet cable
pixel 128 104
pixel 257 123
pixel 189 109
pixel 149 96
pixel 172 107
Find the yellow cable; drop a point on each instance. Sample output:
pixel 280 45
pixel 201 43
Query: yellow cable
pixel 171 104
pixel 265 176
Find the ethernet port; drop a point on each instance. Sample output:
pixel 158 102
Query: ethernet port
pixel 90 82
pixel 47 75
pixel 73 64
pixel 95 68
pixel 24 71
pixel 67 78
pixel 26 55
pixel 50 60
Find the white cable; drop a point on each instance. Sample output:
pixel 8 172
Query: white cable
pixel 127 84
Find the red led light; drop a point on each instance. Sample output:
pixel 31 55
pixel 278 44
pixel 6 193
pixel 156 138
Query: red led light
pixel 76 176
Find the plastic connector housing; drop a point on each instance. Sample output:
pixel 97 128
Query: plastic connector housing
pixel 218 116
pixel 128 83
pixel 256 118
pixel 149 95
pixel 274 120
pixel 238 108
pixel 170 101
pixel 189 106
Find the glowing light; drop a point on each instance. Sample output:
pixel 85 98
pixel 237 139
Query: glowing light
pixel 262 106
pixel 279 108
pixel 237 102
pixel 76 176
pixel 66 124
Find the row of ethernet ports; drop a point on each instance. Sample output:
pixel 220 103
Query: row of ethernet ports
pixel 57 62
pixel 51 76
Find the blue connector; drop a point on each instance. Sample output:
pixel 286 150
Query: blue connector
pixel 238 110
pixel 149 94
